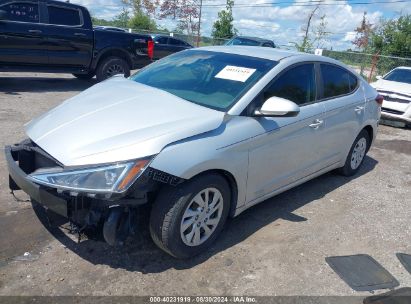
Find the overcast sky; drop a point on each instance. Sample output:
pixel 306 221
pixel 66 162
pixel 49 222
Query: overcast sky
pixel 282 22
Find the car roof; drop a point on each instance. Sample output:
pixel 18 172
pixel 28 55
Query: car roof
pixel 403 67
pixel 274 54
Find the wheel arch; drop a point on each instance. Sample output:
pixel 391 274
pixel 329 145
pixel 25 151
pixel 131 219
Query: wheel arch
pixel 371 133
pixel 229 177
pixel 113 52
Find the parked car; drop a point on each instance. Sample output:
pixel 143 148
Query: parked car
pixel 61 39
pixel 166 45
pixel 110 28
pixel 395 86
pixel 199 136
pixel 250 41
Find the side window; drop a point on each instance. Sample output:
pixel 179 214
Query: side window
pixel 337 81
pixel 353 82
pixel 297 84
pixel 22 12
pixel 63 16
pixel 162 40
pixel 175 42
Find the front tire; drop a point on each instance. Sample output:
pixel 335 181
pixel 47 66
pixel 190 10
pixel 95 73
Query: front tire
pixel 112 66
pixel 357 154
pixel 186 220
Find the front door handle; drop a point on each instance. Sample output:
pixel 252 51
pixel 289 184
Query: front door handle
pixel 359 109
pixel 35 32
pixel 316 124
pixel 80 34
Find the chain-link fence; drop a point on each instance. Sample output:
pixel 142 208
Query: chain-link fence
pixel 368 65
pixel 191 39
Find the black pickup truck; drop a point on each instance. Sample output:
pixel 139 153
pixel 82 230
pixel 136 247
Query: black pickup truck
pixel 58 37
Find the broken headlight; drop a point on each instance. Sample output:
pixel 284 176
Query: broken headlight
pixel 105 179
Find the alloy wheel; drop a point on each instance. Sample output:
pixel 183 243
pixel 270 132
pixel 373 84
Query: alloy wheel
pixel 201 217
pixel 358 153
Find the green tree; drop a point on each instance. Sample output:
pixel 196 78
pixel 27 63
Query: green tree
pixel 392 38
pixel 142 21
pixel 121 20
pixel 223 28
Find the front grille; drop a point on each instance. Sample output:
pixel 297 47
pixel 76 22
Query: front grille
pixel 386 110
pixel 389 96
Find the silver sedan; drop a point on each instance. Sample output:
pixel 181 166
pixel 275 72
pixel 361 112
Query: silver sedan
pixel 198 136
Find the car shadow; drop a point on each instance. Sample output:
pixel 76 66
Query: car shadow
pixel 20 84
pixel 141 254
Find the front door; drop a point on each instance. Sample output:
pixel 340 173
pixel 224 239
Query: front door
pixel 292 147
pixel 22 36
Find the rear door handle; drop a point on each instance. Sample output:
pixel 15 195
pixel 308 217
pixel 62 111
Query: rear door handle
pixel 316 124
pixel 35 32
pixel 80 34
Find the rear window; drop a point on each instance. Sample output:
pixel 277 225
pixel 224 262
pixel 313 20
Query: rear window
pixel 63 16
pixel 337 81
pixel 212 79
pixel 21 12
pixel 244 41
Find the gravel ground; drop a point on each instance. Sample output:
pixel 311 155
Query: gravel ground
pixel 275 248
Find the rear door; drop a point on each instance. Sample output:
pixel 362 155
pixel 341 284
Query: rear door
pixel 344 102
pixel 70 36
pixel 22 36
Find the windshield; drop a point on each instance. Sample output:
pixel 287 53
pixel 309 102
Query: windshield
pixel 212 79
pixel 399 75
pixel 243 41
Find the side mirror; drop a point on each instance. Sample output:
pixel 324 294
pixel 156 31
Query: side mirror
pixel 3 15
pixel 379 77
pixel 277 106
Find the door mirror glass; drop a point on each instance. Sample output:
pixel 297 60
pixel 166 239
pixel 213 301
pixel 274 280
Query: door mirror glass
pixel 379 77
pixel 3 15
pixel 277 106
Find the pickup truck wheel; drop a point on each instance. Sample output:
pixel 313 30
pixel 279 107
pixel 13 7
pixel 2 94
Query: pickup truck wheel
pixel 356 155
pixel 186 220
pixel 85 76
pixel 112 66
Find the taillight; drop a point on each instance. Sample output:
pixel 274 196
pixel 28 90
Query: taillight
pixel 379 99
pixel 150 49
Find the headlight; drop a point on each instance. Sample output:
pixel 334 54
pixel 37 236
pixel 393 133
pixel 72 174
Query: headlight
pixel 105 179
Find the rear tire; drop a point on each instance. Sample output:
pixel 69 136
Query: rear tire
pixel 186 220
pixel 112 66
pixel 85 76
pixel 356 155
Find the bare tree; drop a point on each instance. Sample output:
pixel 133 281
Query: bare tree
pixel 187 12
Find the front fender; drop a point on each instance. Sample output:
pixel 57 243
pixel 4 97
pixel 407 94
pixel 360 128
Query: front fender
pixel 191 158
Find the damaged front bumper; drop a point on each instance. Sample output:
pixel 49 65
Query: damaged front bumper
pixel 80 209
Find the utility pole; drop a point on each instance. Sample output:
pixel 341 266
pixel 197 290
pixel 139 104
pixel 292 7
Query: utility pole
pixel 199 24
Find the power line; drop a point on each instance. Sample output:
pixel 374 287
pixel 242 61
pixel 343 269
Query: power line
pixel 292 3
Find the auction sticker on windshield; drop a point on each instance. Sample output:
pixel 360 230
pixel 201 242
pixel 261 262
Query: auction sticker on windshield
pixel 235 73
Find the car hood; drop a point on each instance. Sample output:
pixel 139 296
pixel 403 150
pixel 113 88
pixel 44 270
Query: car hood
pixel 118 120
pixel 392 86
